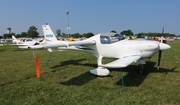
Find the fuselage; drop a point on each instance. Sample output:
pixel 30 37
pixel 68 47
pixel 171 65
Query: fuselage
pixel 144 48
pixel 125 47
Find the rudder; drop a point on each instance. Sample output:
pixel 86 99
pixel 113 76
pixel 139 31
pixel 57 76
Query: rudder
pixel 14 40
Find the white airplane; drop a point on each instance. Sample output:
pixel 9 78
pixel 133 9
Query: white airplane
pixel 25 43
pixel 101 45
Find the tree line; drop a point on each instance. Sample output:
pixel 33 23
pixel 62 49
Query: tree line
pixel 33 33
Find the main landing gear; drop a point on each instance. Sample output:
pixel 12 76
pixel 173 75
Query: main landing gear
pixel 141 71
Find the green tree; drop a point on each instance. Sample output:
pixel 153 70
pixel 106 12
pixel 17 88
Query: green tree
pixel 23 34
pixel 76 35
pixel 13 33
pixel 58 32
pixel 32 32
pixel 63 34
pixel 88 35
pixel 7 35
pixel 18 35
pixel 127 32
pixel 154 34
pixel 113 31
pixel 142 35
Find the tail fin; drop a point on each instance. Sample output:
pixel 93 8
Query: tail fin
pixel 48 34
pixel 14 39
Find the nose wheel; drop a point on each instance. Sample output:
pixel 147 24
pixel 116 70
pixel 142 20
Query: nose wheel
pixel 141 71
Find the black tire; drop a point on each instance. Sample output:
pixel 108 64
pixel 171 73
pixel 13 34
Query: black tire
pixel 141 71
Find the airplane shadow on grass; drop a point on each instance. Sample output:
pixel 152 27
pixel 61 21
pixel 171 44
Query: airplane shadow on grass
pixel 81 79
pixel 131 79
pixel 71 62
pixel 135 79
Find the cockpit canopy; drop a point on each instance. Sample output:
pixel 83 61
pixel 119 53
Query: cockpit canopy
pixel 108 38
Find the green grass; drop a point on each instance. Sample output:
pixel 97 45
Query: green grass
pixel 66 80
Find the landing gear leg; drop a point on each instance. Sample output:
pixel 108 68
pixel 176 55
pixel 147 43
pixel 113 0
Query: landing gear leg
pixel 100 71
pixel 141 71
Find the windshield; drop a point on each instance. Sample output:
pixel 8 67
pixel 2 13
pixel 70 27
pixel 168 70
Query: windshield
pixel 108 38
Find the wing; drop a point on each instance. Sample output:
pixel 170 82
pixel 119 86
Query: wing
pixel 63 44
pixel 122 62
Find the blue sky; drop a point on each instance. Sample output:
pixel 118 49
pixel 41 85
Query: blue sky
pixel 91 15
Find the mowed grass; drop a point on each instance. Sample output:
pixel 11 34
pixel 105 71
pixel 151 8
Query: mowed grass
pixel 65 79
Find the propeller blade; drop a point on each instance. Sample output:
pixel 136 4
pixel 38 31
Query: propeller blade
pixel 163 31
pixel 159 58
pixel 160 52
pixel 163 40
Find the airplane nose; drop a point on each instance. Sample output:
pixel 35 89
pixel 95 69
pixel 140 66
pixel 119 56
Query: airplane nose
pixel 163 46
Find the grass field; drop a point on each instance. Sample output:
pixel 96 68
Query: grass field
pixel 65 79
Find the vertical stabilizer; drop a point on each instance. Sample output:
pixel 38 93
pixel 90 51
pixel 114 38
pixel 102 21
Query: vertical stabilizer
pixel 48 34
pixel 14 40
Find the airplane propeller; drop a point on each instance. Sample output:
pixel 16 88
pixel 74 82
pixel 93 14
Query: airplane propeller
pixel 159 58
pixel 160 51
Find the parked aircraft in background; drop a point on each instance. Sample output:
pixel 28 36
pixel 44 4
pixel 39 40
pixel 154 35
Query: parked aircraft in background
pixel 101 45
pixel 170 39
pixel 25 43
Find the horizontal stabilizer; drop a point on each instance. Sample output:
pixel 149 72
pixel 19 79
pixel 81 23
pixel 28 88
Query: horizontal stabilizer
pixel 19 44
pixel 23 47
pixel 122 62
